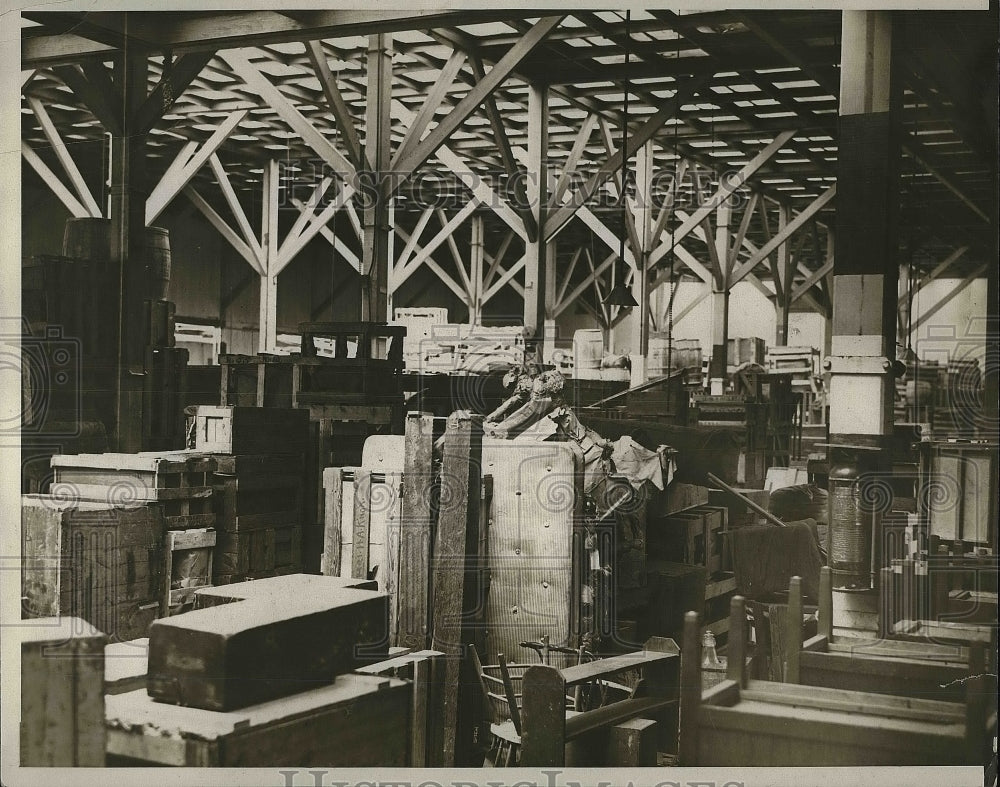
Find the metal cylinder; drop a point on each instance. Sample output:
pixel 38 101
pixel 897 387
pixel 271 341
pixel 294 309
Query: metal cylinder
pixel 851 528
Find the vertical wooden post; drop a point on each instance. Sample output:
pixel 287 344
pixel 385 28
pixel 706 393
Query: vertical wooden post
pixel 793 623
pixel 267 338
pixel 375 219
pixel 538 196
pixel 128 221
pixel 362 524
pixel 825 627
pixel 643 215
pixel 543 718
pixel 736 665
pixel 455 548
pixel 632 744
pixel 690 694
pixel 783 281
pixel 476 253
pixel 415 537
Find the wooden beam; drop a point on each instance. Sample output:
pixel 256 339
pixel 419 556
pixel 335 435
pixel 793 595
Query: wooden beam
pixel 62 153
pixel 402 273
pixel 575 153
pixel 234 205
pixel 496 259
pixel 506 278
pixel 406 166
pixel 790 229
pixel 448 281
pixel 595 272
pixel 706 291
pixel 405 255
pixel 455 254
pixel 345 252
pixel 66 197
pixel 335 101
pixel 949 296
pixel 174 180
pixel 268 323
pixel 182 74
pixel 814 278
pixel 256 81
pixel 725 190
pixel 98 94
pixel 224 229
pixel 292 246
pixel 560 217
pixel 940 268
pixel 568 277
pixel 432 102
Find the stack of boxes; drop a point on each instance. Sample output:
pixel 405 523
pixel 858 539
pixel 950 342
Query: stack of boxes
pixel 259 485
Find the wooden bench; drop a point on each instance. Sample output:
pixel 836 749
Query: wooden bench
pixel 761 723
pixel 926 670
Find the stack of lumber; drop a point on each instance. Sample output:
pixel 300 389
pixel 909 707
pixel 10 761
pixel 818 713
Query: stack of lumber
pixel 178 483
pixel 92 560
pixel 259 455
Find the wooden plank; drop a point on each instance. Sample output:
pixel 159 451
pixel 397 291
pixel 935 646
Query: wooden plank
pixel 736 663
pixel 333 487
pixel 293 584
pixel 251 430
pixel 62 696
pixel 263 647
pixel 543 739
pixel 360 558
pixel 415 538
pixel 614 665
pixel 456 540
pixel 793 624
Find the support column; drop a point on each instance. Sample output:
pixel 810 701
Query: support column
pixel 128 221
pixel 536 262
pixel 864 314
pixel 783 282
pixel 376 228
pixel 267 336
pixel 642 214
pixel 476 254
pixel 720 301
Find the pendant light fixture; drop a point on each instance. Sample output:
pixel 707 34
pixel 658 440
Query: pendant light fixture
pixel 621 294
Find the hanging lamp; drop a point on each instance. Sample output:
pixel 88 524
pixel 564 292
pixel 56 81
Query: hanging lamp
pixel 621 294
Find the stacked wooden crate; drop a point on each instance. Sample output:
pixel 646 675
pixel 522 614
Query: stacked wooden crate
pixel 259 483
pixel 93 560
pixel 696 537
pixel 178 483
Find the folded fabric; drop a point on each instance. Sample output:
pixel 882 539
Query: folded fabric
pixel 636 463
pixel 765 558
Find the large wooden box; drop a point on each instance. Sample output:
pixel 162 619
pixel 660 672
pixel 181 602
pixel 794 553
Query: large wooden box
pixel 92 560
pixel 62 693
pixel 251 651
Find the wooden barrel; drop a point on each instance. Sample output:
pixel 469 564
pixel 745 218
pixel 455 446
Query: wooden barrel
pixel 89 239
pixel 588 349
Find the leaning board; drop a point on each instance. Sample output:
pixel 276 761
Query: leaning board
pixel 537 498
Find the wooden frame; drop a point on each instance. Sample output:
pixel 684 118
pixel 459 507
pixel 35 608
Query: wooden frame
pixel 201 541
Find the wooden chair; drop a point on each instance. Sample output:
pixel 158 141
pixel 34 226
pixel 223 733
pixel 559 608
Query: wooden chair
pixel 499 683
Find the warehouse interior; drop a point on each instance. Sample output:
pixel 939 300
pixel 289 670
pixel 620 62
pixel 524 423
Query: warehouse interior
pixel 493 388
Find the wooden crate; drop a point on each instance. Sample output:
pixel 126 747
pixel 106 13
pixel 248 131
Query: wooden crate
pixel 180 481
pixel 251 502
pixel 692 537
pixel 251 430
pixel 356 721
pixel 254 553
pixel 62 693
pixel 189 555
pixel 94 561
